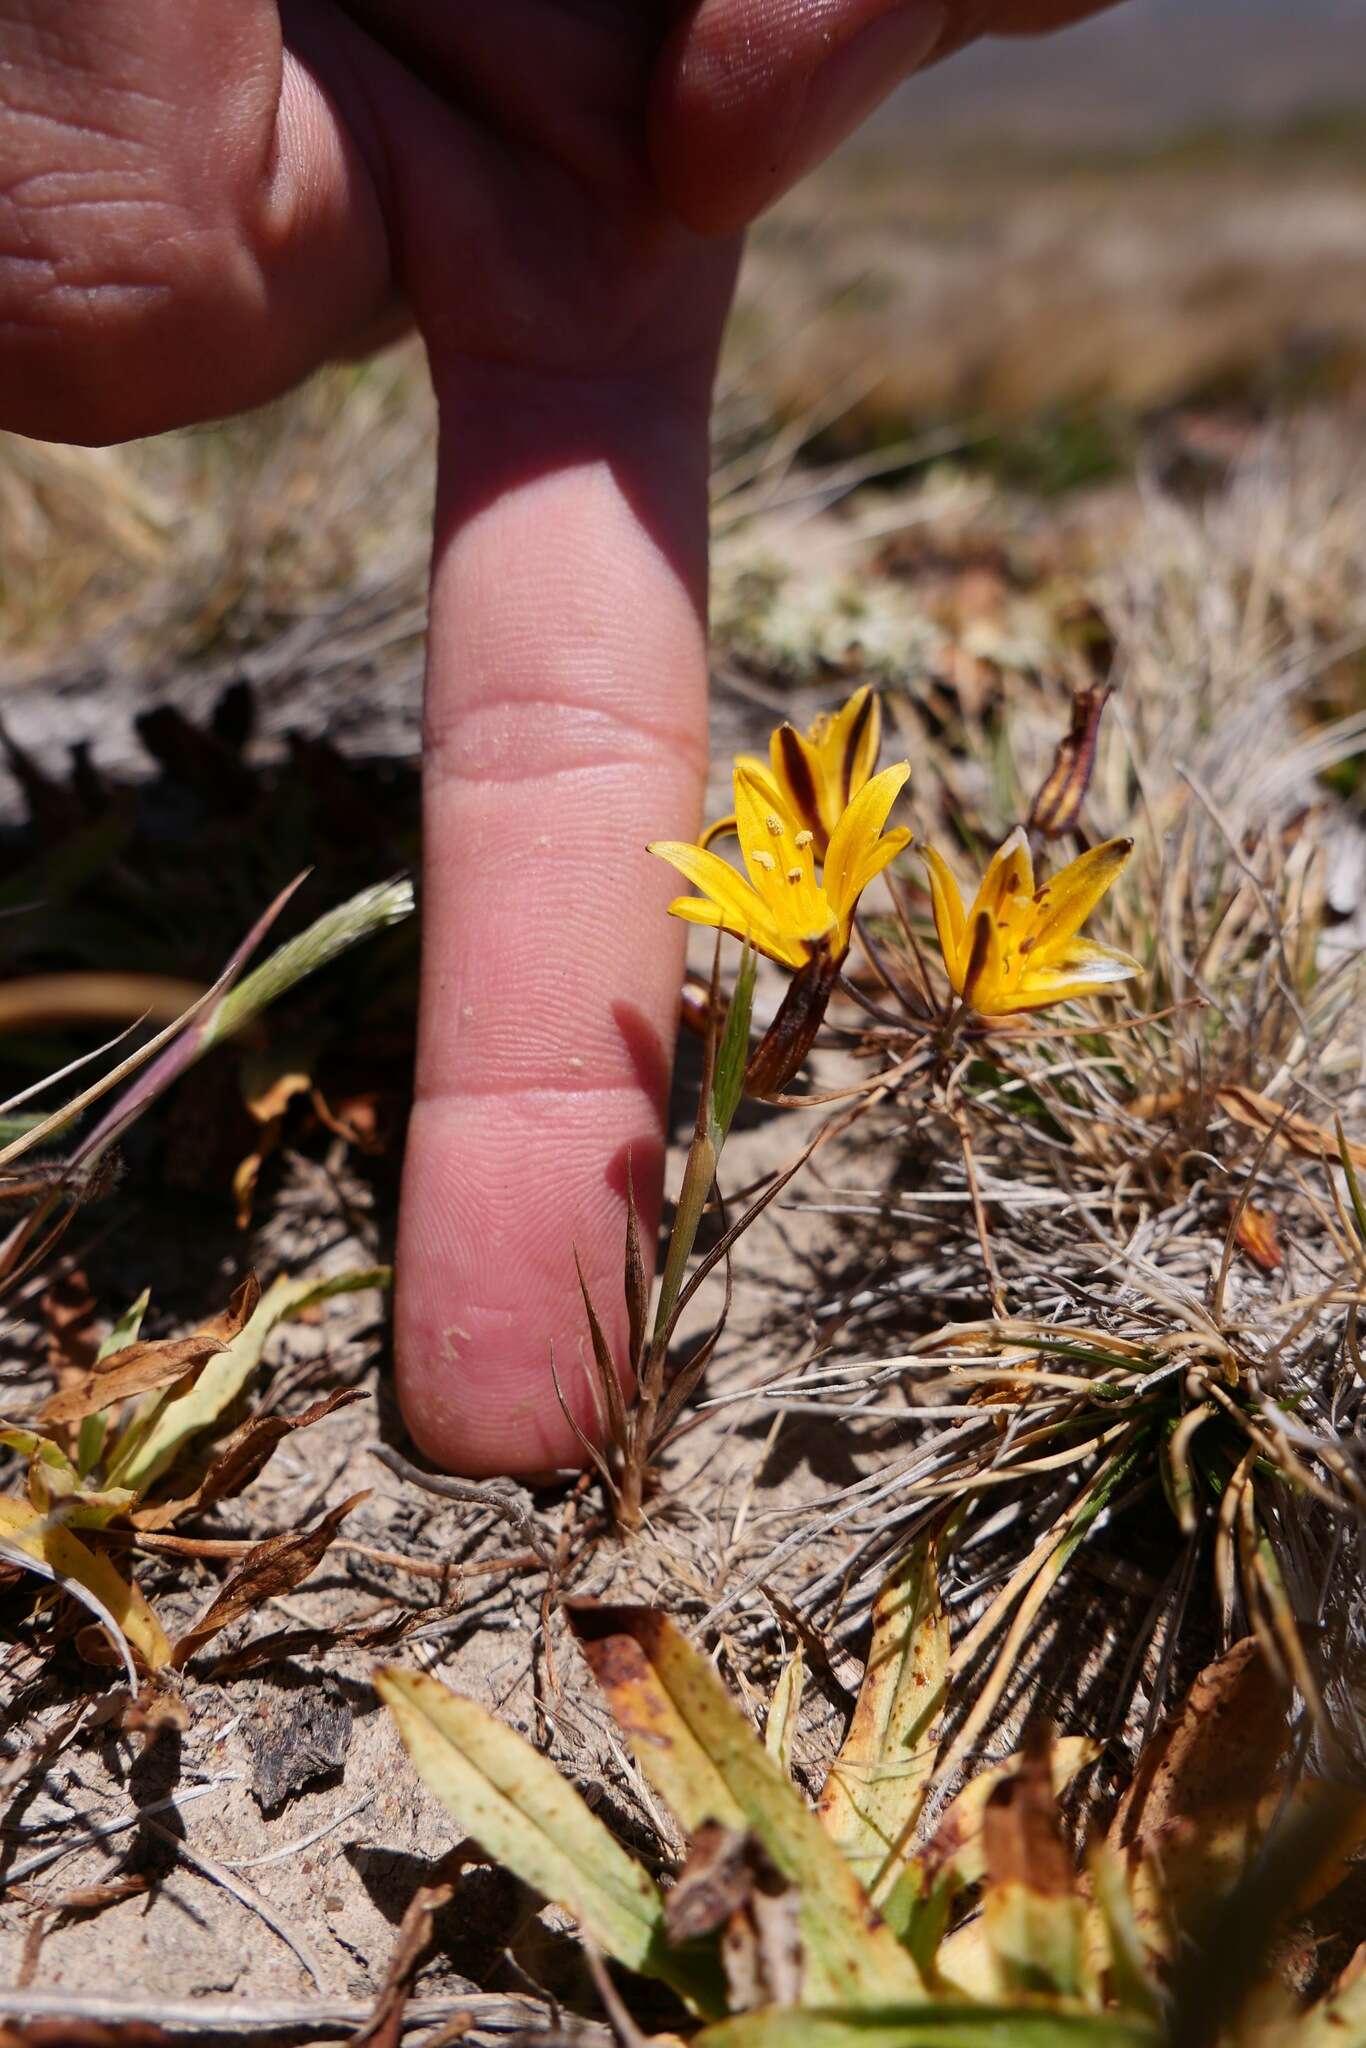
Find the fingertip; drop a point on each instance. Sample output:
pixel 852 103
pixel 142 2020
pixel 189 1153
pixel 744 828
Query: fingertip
pixel 499 1196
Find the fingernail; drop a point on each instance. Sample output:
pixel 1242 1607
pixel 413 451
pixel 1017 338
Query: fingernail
pixel 861 73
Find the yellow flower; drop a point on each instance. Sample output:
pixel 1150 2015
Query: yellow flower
pixel 783 908
pixel 818 773
pixel 1017 948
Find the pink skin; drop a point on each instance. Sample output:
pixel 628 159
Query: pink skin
pixel 196 206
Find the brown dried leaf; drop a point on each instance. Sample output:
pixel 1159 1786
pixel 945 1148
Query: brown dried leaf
pixel 154 1713
pixel 784 1046
pixel 68 1310
pixel 139 1368
pixel 1293 1133
pixel 238 1460
pixel 637 1287
pixel 729 1885
pixel 384 2028
pixel 271 1568
pixel 84 2034
pixel 1058 804
pixel 714 1881
pixel 1258 1236
pixel 1221 1747
pixel 1209 1794
pixel 90 1898
pixel 384 1634
pixel 1021 1838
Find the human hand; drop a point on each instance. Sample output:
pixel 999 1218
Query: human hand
pixel 202 202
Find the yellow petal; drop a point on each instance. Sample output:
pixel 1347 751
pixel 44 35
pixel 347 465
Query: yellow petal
pixel 779 851
pixel 879 855
pixel 742 910
pixel 787 951
pixel 1064 902
pixel 1099 963
pixel 863 738
pixel 1084 969
pixel 855 836
pixel 718 831
pixel 758 770
pixel 950 921
pixel 985 984
pixel 848 750
pixel 798 773
pixel 1010 874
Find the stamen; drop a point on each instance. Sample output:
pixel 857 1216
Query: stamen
pixel 805 838
pixel 774 824
pixel 763 860
pixel 794 874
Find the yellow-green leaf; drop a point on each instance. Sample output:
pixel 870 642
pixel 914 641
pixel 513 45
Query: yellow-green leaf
pixel 155 1437
pixel 783 1711
pixel 927 2026
pixel 878 1782
pixel 701 1754
pixel 521 1811
pixel 65 1553
pixel 94 1431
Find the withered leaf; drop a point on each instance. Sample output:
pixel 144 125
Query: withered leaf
pixel 383 1634
pixel 637 1287
pixel 784 1046
pixel 1031 1916
pixel 701 1754
pixel 1293 1133
pixel 84 2034
pixel 68 1310
pixel 139 1368
pixel 1021 1839
pixel 238 1460
pixel 1209 1798
pixel 1058 804
pixel 1220 1748
pixel 90 1898
pixel 1258 1236
pixel 728 1884
pixel 273 1567
pixel 715 1879
pixel 384 2028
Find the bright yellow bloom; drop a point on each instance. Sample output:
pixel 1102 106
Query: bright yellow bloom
pixel 783 908
pixel 818 773
pixel 1017 948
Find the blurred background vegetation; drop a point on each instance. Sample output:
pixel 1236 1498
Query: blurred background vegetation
pixel 1048 262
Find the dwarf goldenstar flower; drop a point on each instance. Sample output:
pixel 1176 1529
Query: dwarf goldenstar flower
pixel 818 773
pixel 783 908
pixel 1017 948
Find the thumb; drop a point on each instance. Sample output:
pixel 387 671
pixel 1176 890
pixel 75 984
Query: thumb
pixel 565 726
pixel 748 95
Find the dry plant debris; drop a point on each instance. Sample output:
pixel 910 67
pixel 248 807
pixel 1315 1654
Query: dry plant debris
pixel 856 1921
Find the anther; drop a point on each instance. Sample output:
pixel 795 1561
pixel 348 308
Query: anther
pixel 805 838
pixel 774 824
pixel 763 860
pixel 794 874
